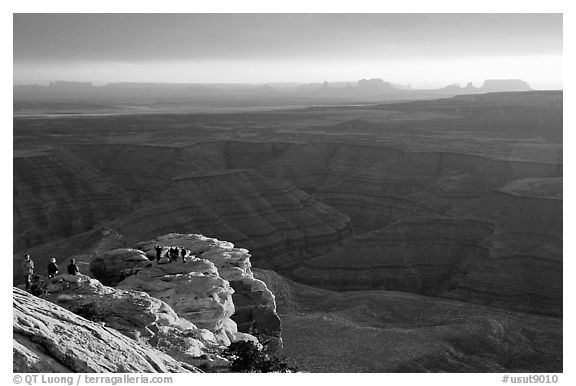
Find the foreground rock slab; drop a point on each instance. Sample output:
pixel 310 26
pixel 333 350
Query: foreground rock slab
pixel 49 338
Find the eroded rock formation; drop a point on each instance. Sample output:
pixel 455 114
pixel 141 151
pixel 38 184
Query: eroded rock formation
pixel 193 289
pixel 254 303
pixel 133 313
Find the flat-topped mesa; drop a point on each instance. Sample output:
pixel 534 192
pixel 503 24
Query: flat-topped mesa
pixel 499 85
pixel 48 338
pixel 254 303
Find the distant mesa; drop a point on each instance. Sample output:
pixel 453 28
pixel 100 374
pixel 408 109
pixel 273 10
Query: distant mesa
pixel 489 85
pixel 375 85
pixel 180 95
pixel 70 85
pixel 497 85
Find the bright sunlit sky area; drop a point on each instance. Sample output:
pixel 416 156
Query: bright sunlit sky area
pixel 424 50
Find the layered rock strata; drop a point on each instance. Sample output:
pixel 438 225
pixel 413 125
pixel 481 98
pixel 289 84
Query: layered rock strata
pixel 277 207
pixel 266 216
pixel 515 262
pixel 525 268
pixel 420 255
pixel 58 195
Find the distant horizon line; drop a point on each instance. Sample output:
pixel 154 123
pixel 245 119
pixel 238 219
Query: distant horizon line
pixel 295 83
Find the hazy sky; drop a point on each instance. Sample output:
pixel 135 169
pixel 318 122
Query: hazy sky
pixel 425 50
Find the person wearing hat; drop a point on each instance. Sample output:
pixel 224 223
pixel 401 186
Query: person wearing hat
pixel 28 270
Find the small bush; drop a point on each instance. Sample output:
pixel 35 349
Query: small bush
pixel 171 341
pixel 248 358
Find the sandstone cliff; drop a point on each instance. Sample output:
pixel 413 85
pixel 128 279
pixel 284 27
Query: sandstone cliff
pixel 254 303
pixel 214 289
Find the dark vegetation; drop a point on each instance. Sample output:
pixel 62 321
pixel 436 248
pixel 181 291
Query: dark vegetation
pixel 247 357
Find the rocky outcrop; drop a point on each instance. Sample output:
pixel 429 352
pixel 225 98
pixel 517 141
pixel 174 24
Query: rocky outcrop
pixel 140 317
pixel 254 303
pixel 195 292
pixel 214 288
pixel 114 266
pixel 133 313
pixel 49 338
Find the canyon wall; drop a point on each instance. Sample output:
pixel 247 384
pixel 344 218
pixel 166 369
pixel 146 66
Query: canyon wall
pixel 57 195
pixel 295 206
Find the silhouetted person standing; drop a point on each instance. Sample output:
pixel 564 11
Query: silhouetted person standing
pixel 28 270
pixel 73 268
pixel 158 250
pixel 183 254
pixel 52 268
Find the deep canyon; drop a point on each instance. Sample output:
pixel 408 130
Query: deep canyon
pixel 413 236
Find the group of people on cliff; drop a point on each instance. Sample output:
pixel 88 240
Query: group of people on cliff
pixel 52 269
pixel 171 254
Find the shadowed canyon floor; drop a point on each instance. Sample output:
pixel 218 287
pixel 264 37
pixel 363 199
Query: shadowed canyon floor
pixel 388 331
pixel 455 202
